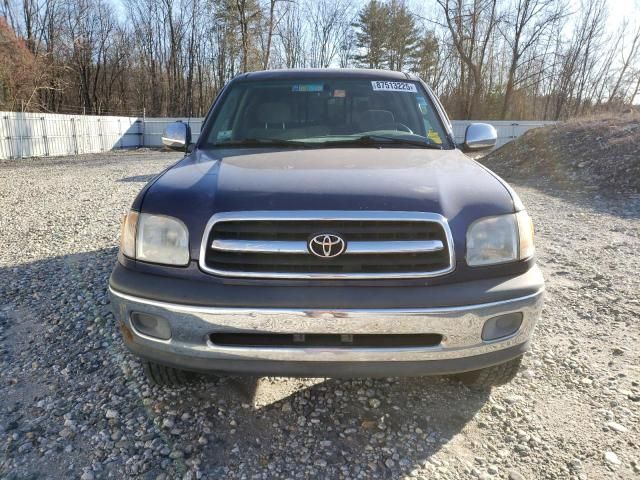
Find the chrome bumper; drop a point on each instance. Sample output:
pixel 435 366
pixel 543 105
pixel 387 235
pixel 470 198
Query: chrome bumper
pixel 191 326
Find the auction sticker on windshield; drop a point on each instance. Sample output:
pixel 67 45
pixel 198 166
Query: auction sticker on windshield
pixel 393 86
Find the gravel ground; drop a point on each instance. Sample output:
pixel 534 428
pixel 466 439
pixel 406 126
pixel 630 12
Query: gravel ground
pixel 74 403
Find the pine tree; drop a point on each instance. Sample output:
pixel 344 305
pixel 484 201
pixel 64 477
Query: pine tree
pixel 371 36
pixel 402 35
pixel 425 59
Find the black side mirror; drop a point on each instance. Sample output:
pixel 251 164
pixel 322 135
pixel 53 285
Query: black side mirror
pixel 177 136
pixel 479 136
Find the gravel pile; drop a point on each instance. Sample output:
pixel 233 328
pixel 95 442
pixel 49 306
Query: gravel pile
pixel 74 403
pixel 600 155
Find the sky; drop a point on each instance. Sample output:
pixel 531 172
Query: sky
pixel 618 10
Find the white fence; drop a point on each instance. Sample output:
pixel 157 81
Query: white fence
pixel 47 134
pixel 25 135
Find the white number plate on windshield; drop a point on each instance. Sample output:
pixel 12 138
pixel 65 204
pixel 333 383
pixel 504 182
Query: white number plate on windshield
pixel 394 86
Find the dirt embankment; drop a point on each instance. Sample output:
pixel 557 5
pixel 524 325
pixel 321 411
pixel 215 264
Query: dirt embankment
pixel 598 154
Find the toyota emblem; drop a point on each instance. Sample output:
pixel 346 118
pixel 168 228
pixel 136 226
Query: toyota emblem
pixel 327 245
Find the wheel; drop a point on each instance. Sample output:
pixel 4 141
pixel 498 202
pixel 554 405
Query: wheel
pixel 486 378
pixel 158 374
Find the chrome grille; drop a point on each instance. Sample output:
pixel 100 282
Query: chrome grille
pixel 378 245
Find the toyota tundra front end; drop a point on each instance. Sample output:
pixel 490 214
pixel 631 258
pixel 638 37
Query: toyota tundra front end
pixel 325 223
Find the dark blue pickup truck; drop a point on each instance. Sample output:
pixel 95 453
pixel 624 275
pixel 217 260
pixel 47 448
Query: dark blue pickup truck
pixel 325 223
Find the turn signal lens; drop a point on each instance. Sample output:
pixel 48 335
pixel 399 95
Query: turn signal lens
pixel 128 234
pixel 525 232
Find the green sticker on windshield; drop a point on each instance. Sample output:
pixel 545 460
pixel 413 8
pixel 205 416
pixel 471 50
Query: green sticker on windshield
pixel 308 87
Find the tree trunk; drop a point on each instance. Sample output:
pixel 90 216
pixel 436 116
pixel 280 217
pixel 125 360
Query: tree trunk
pixel 267 53
pixel 508 92
pixel 244 32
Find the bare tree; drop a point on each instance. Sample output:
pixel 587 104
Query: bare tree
pixel 579 58
pixel 489 58
pixel 271 24
pixel 628 59
pixel 636 89
pixel 523 31
pixel 471 24
pixel 247 12
pixel 291 36
pixel 329 21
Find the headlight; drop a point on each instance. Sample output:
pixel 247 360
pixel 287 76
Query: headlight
pixel 162 240
pixel 155 238
pixel 500 239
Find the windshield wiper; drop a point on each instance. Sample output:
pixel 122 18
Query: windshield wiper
pixel 253 142
pixel 365 140
pixel 382 140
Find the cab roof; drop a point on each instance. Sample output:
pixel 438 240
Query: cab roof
pixel 305 73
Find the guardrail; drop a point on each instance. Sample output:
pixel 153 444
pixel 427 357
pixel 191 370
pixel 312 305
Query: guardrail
pixel 24 135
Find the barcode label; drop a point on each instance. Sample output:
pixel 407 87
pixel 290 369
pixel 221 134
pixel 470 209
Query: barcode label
pixel 394 86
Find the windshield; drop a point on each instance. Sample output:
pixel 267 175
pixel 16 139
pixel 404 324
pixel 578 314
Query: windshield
pixel 323 112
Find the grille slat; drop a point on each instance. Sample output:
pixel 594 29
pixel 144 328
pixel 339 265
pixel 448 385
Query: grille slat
pixel 296 227
pixel 300 230
pixel 311 261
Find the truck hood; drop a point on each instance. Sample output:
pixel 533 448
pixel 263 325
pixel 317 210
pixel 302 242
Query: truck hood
pixel 402 179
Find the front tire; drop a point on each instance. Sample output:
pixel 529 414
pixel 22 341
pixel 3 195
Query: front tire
pixel 162 375
pixel 486 378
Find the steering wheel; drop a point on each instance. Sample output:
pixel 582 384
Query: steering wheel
pixel 394 126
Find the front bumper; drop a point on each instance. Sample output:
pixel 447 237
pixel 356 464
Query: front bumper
pixel 461 349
